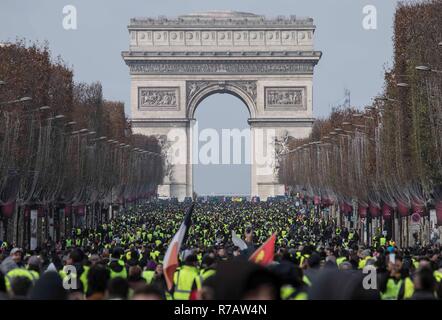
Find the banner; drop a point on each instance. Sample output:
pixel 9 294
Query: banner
pixel 33 241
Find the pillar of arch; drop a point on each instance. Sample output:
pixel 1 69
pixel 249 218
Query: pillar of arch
pixel 267 63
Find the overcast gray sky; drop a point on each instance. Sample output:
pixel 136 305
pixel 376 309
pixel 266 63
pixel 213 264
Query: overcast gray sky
pixel 353 57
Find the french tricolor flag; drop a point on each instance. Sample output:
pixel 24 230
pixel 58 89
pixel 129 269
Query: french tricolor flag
pixel 171 262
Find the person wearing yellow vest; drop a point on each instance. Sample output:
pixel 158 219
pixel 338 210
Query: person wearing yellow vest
pixel 35 264
pixel 18 273
pixel 290 293
pixel 398 285
pixel 12 267
pixel 68 243
pixel 398 289
pixel 438 277
pixel 312 268
pixel 154 255
pixel 75 259
pixel 341 257
pixel 338 232
pixel 83 279
pixel 31 272
pixel 382 241
pixel 116 265
pixel 375 241
pixel 208 270
pixel 351 234
pixel 364 257
pixel 148 275
pixel 186 279
pixel 340 260
pixel 293 280
pixel 392 289
pixel 438 273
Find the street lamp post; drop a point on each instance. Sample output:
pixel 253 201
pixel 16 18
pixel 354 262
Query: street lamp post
pixel 427 69
pixel 21 100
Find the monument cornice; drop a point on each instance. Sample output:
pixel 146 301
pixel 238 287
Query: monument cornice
pixel 219 19
pixel 209 27
pixel 159 122
pixel 254 122
pixel 225 54
pixel 221 67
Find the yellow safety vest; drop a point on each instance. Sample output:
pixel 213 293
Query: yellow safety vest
pixel 392 290
pixel 415 263
pixel 83 278
pixel 306 280
pixel 409 288
pixel 438 275
pixel 62 274
pixel 156 254
pixel 205 274
pixel 340 260
pixel 363 262
pixel 303 257
pixel 290 293
pixel 121 274
pixel 18 272
pixel 168 296
pixel 382 241
pixel 35 274
pixel 184 280
pixel 148 276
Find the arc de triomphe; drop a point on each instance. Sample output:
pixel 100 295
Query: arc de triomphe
pixel 267 63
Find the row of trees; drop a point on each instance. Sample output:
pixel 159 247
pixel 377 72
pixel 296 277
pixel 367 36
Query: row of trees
pixel 388 156
pixel 61 143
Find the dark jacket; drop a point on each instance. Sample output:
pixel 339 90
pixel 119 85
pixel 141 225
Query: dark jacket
pixel 422 295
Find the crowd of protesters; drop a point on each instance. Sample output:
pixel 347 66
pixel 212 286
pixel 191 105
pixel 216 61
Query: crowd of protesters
pixel 314 258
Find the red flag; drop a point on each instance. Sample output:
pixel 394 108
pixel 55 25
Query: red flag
pixel 171 257
pixel 264 254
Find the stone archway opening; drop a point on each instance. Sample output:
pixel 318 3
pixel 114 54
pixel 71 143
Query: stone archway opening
pixel 221 146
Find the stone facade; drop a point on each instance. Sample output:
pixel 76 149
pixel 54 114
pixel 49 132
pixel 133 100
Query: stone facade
pixel 176 63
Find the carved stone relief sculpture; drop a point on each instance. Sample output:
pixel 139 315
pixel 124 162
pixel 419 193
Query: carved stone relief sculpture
pixel 162 97
pixel 285 97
